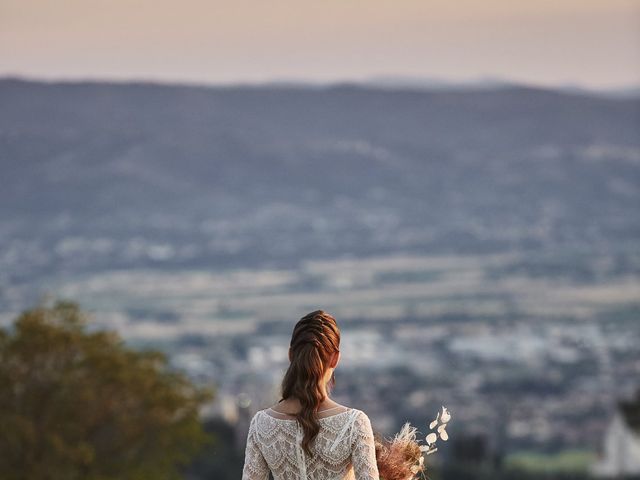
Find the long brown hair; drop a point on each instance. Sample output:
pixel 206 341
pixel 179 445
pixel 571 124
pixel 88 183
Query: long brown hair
pixel 314 340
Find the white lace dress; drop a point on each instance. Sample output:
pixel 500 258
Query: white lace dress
pixel 343 450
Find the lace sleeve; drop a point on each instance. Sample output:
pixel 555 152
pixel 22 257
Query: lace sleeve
pixel 255 466
pixel 363 450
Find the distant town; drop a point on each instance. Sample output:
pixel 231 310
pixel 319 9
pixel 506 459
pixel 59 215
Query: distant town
pixel 529 362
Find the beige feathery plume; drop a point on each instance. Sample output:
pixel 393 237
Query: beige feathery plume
pixel 402 457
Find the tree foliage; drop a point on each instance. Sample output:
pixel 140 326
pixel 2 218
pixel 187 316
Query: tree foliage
pixel 79 404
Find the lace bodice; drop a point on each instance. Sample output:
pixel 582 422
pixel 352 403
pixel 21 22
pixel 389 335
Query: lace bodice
pixel 343 449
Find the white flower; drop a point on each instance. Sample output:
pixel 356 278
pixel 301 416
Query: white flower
pixel 446 416
pixel 435 422
pixel 431 438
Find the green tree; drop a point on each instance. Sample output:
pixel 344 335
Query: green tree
pixel 79 404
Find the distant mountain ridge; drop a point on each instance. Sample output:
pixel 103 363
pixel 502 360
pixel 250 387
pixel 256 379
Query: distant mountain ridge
pixel 393 82
pixel 113 175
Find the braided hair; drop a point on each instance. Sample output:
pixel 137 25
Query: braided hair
pixel 314 340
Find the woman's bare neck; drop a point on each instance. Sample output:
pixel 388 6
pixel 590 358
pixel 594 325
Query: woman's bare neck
pixel 291 406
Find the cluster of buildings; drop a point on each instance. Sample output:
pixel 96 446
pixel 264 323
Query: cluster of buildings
pixel 548 386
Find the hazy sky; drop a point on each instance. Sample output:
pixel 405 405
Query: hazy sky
pixel 594 43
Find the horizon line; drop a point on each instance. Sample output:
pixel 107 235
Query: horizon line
pixel 381 81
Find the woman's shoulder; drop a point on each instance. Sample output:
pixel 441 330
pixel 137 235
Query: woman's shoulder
pixel 258 416
pixel 362 422
pixel 356 412
pixel 355 416
pixel 261 421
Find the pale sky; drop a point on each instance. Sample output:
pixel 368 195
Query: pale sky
pixel 592 43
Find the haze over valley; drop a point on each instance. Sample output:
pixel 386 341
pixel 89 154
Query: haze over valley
pixel 479 247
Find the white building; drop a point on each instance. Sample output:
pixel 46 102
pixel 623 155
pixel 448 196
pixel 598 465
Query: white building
pixel 621 447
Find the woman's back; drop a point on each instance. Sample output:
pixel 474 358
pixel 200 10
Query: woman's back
pixel 343 449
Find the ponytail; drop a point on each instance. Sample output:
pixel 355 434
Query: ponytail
pixel 315 339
